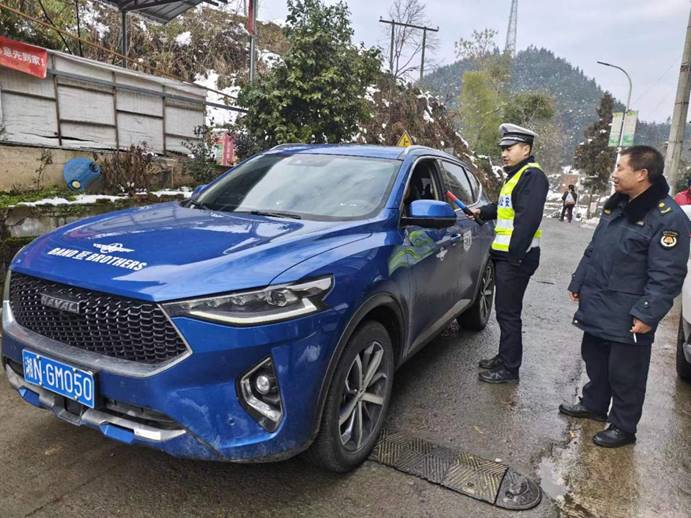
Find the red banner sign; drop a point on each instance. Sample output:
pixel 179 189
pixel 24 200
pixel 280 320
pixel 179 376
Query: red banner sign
pixel 251 16
pixel 23 57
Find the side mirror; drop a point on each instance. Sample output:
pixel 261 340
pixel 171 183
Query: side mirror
pixel 430 214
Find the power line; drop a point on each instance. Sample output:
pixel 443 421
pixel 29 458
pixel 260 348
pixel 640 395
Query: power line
pixel 424 30
pixel 654 84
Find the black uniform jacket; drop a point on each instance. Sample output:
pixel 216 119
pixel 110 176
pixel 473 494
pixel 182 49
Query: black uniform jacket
pixel 528 200
pixel 634 266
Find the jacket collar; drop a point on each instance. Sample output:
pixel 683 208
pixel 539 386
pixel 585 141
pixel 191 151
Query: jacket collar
pixel 511 170
pixel 637 208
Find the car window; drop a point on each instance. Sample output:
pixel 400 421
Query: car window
pixel 330 187
pixel 474 183
pixel 457 183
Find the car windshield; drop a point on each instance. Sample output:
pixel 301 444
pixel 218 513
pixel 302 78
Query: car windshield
pixel 304 186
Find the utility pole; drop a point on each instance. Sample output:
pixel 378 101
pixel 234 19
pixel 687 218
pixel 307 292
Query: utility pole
pixel 252 29
pixel 681 108
pixel 424 30
pixel 125 36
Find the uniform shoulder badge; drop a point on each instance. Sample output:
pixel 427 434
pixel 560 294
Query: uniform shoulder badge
pixel 669 238
pixel 607 211
pixel 664 209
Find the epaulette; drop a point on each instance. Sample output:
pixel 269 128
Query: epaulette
pixel 664 209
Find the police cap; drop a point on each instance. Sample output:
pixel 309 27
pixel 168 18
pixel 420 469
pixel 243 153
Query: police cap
pixel 512 134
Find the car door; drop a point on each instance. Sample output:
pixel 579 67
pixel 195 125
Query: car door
pixel 467 258
pixel 430 252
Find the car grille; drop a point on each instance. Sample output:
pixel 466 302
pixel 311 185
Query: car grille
pixel 106 324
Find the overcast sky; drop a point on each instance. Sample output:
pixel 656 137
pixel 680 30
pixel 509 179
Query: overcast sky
pixel 645 37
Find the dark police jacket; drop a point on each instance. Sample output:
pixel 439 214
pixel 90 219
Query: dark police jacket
pixel 528 200
pixel 634 266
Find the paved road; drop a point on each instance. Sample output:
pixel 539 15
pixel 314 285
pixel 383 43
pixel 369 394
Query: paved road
pixel 49 468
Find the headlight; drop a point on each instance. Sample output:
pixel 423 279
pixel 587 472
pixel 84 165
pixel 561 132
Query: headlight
pixel 259 306
pixel 6 288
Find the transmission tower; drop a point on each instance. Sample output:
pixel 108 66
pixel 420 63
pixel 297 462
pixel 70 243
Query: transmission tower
pixel 511 31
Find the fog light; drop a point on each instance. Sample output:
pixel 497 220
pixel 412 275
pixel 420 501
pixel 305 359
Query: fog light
pixel 260 395
pixel 263 384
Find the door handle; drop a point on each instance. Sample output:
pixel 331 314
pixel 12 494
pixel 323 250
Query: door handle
pixel 455 239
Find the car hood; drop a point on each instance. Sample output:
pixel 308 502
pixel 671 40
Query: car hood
pixel 168 252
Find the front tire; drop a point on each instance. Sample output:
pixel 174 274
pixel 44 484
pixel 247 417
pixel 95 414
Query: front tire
pixel 357 401
pixel 683 367
pixel 476 316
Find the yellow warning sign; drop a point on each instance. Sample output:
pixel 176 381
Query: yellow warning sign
pixel 405 140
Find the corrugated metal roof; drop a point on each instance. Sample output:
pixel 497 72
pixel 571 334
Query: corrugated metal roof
pixel 159 10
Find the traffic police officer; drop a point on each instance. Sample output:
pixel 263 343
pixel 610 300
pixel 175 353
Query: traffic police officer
pixel 516 247
pixel 625 283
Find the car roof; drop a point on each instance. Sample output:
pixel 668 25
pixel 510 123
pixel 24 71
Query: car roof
pixel 363 150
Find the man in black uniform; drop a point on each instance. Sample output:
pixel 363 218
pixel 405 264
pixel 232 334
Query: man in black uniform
pixel 625 283
pixel 516 247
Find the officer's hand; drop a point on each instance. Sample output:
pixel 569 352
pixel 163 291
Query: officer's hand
pixel 640 327
pixel 475 213
pixel 575 297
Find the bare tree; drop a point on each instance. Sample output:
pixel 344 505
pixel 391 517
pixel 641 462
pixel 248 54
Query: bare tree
pixel 407 41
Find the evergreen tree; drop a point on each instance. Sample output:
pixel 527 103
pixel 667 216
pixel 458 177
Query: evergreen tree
pixel 593 157
pixel 317 94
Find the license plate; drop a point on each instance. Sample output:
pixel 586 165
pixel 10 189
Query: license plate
pixel 59 377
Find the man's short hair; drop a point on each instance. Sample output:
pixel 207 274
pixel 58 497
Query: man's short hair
pixel 646 157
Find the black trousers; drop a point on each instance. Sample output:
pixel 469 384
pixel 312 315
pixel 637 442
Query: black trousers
pixel 511 283
pixel 618 373
pixel 568 210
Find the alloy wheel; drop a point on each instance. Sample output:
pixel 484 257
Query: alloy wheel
pixel 363 397
pixel 487 292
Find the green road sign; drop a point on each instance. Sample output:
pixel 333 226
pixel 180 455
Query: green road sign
pixel 629 128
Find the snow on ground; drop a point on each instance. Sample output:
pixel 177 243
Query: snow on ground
pixel 184 38
pixel 89 199
pixel 270 59
pixel 217 116
pixel 93 19
pixel 80 199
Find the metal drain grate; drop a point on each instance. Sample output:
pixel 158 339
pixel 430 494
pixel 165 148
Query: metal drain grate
pixel 458 471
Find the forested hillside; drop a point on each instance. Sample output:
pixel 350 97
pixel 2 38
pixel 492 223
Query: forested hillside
pixel 576 96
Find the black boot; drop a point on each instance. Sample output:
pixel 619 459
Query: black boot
pixel 613 437
pixel 499 375
pixel 490 363
pixel 580 410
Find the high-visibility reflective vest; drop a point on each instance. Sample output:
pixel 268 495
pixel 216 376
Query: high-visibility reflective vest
pixel 506 214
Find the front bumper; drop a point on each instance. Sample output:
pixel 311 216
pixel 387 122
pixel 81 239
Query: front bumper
pixel 196 393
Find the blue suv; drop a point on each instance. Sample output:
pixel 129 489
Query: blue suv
pixel 263 317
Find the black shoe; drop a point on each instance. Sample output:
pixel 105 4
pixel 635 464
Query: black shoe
pixel 490 363
pixel 499 375
pixel 580 410
pixel 613 437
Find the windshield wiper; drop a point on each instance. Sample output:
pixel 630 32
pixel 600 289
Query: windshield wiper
pixel 198 204
pixel 275 214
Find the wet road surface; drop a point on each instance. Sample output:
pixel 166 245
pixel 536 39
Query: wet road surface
pixel 49 468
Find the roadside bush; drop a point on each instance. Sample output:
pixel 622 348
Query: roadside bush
pixel 128 172
pixel 201 164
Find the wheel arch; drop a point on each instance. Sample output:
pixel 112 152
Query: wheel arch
pixel 382 308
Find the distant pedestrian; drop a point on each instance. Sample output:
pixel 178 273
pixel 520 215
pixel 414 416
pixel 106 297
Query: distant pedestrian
pixel 684 197
pixel 569 199
pixel 624 285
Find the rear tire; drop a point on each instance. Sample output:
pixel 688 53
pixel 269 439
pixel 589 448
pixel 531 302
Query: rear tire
pixel 683 367
pixel 357 401
pixel 476 316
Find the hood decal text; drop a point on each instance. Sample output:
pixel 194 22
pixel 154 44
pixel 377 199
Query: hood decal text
pixel 94 257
